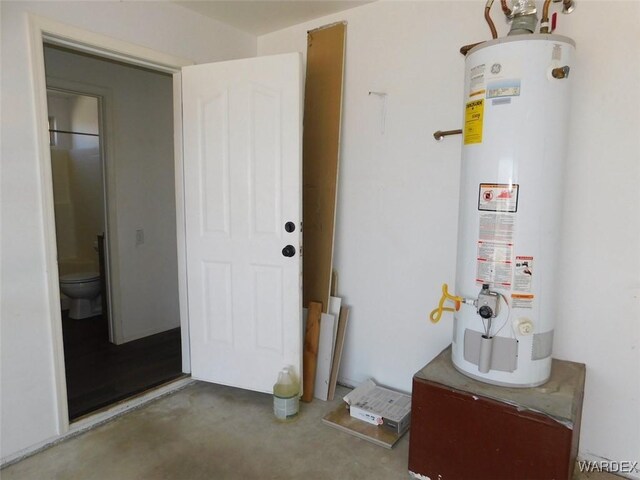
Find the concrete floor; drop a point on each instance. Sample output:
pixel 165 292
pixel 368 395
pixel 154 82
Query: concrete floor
pixel 211 432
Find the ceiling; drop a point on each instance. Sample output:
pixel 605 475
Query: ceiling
pixel 265 16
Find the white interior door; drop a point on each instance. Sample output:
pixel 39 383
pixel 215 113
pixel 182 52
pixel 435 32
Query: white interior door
pixel 242 131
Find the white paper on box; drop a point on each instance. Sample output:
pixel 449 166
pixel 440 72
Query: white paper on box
pixel 373 404
pixel 360 391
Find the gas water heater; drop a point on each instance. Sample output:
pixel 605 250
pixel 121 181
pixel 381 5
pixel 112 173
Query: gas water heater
pixel 516 111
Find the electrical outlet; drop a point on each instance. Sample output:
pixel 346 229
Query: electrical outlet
pixel 139 237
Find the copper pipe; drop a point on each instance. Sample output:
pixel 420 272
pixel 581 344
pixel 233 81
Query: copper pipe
pixel 440 134
pixel 464 50
pixel 505 8
pixel 567 7
pixel 487 17
pixel 544 23
pixel 494 33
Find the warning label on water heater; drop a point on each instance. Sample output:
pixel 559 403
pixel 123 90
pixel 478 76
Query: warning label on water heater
pixel 494 265
pixel 476 80
pixel 494 260
pixel 523 274
pixel 497 197
pixel 521 300
pixel 473 119
pixel 497 227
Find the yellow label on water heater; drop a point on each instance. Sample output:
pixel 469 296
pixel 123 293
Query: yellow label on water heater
pixel 473 120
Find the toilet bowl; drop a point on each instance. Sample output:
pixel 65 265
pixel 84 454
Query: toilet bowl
pixel 84 291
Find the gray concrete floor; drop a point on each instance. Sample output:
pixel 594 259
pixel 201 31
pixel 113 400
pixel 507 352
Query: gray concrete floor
pixel 213 432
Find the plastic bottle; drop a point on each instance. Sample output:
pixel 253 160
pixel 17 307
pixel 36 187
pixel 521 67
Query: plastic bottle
pixel 286 394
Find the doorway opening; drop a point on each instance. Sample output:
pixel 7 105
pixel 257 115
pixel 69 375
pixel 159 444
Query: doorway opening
pixel 112 163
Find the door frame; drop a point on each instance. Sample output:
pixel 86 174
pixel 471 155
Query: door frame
pixel 44 30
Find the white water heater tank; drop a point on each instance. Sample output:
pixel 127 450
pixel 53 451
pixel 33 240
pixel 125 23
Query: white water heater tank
pixel 516 112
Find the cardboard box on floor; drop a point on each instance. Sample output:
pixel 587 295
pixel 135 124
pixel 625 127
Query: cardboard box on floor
pixel 380 406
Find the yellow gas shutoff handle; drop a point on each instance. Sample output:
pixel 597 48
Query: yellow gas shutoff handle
pixel 435 315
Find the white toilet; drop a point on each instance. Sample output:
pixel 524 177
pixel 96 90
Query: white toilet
pixel 84 291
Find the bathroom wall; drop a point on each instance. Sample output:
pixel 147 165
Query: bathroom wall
pixel 77 181
pixel 59 106
pixel 86 178
pixel 85 119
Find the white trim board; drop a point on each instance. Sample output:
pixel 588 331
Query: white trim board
pixel 180 222
pixel 58 33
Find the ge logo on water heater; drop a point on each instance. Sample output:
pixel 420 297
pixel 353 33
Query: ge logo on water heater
pixel 495 68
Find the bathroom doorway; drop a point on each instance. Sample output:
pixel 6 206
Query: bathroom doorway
pixel 111 143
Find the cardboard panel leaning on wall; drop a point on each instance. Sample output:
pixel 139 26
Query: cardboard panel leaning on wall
pixel 320 158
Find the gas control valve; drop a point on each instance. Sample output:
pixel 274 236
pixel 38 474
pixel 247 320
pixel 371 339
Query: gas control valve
pixel 488 302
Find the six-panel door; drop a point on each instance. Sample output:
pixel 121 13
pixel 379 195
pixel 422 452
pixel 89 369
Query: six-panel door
pixel 242 172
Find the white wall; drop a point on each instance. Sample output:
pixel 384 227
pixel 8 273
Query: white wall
pixel 85 118
pixel 60 107
pixel 398 197
pixel 85 175
pixel 28 412
pixel 144 278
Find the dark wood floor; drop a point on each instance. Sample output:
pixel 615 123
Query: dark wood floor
pixel 100 373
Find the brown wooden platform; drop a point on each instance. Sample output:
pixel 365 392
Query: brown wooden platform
pixel 340 419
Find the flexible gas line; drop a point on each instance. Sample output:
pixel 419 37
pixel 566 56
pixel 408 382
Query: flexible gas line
pixel 435 315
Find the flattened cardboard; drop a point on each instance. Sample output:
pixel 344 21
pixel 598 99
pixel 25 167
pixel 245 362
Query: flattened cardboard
pixel 340 419
pixel 320 154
